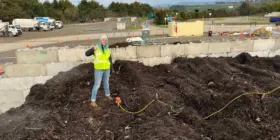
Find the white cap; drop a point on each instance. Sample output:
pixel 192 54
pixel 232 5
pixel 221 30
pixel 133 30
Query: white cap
pixel 104 37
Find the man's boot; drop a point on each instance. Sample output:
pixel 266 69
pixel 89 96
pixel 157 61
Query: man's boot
pixel 93 104
pixel 109 97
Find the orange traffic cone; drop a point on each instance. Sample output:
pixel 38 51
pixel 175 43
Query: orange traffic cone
pixel 241 35
pixel 1 70
pixel 27 44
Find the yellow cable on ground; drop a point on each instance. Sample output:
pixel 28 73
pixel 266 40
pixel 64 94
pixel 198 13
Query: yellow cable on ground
pixel 171 107
pixel 136 111
pixel 145 107
pixel 247 93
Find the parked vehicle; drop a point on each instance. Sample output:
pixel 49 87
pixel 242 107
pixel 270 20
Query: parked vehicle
pixel 8 30
pixel 58 24
pixel 30 24
pixel 48 20
pixel 18 29
pixel 274 19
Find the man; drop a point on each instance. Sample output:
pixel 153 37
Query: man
pixel 102 67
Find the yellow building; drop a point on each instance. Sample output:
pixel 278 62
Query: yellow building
pixel 186 28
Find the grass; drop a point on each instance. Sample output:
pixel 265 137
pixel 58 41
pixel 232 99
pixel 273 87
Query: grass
pixel 131 26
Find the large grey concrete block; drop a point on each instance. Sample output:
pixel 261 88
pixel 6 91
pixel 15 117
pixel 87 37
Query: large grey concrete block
pixel 124 53
pixel 277 44
pixel 7 106
pixel 55 68
pixel 25 70
pixel 273 53
pixel 35 56
pixel 195 49
pixel 148 51
pixel 73 54
pixel 242 46
pixel 155 61
pixel 11 96
pixel 219 47
pixel 260 53
pixel 263 44
pixel 21 83
pixel 217 55
pixel 173 50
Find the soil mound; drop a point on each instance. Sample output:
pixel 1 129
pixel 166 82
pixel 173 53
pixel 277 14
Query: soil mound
pixel 120 44
pixel 59 109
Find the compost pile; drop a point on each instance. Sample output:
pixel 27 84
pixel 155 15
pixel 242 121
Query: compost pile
pixel 120 44
pixel 195 88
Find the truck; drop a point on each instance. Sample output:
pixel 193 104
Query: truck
pixel 48 20
pixel 30 24
pixel 58 24
pixel 18 29
pixel 274 19
pixel 8 30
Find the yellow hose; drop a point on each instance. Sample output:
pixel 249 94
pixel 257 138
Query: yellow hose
pixel 247 93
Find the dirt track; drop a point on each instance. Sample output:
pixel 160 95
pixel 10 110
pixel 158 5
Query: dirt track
pixel 59 109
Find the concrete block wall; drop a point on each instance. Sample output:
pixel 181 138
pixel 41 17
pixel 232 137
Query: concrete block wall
pixel 14 90
pixel 51 61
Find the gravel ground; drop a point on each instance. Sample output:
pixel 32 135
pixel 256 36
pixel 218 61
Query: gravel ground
pixel 70 29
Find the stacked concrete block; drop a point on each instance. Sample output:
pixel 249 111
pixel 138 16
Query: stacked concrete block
pixel 21 83
pixel 172 50
pixel 195 49
pixel 273 53
pixel 242 46
pixel 263 45
pixel 54 68
pixel 73 54
pixel 148 51
pixel 37 55
pixel 124 53
pixel 155 61
pixel 13 91
pixel 277 44
pixel 10 99
pixel 219 47
pixel 25 70
pixel 260 53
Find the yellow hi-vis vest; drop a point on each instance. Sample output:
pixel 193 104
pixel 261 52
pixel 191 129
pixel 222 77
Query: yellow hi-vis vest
pixel 101 60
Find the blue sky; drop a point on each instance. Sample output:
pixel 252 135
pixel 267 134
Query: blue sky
pixel 151 2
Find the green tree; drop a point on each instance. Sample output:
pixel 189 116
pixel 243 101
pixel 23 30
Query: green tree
pixel 90 10
pixel 159 17
pixel 246 9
